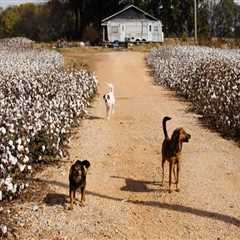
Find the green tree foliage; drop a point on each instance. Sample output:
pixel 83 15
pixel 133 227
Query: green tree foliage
pixel 237 23
pixel 82 18
pixel 8 20
pixel 203 19
pixel 38 22
pixel 224 14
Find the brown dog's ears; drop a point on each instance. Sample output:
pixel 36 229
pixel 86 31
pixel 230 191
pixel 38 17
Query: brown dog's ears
pixel 86 163
pixel 176 135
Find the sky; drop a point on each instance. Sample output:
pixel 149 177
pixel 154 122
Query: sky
pixel 5 3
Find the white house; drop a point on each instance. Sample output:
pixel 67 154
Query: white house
pixel 132 24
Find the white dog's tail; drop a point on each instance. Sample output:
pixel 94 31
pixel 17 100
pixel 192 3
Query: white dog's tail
pixel 110 85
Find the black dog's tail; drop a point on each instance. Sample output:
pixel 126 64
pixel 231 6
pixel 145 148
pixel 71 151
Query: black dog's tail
pixel 165 119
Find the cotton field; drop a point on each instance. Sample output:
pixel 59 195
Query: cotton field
pixel 208 77
pixel 39 103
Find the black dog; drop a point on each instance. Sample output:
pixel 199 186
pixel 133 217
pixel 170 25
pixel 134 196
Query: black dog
pixel 77 179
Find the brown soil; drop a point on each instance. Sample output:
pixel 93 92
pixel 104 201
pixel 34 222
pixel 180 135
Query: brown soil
pixel 124 196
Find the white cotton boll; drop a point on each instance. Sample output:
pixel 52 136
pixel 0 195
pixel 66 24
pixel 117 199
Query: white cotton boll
pixel 11 130
pixel 1 195
pixel 20 148
pixel 213 96
pixel 26 150
pixel 13 160
pixel 21 167
pixel 10 142
pixel 29 167
pixel 14 190
pixel 26 159
pixel 4 229
pixel 19 141
pixel 22 186
pixel 43 148
pixel 9 186
pixel 4 160
pixel 3 130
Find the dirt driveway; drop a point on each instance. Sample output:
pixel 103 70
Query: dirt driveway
pixel 125 199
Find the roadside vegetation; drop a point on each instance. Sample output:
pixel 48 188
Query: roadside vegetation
pixel 207 77
pixel 40 102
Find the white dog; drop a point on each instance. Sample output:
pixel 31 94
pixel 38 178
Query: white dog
pixel 109 100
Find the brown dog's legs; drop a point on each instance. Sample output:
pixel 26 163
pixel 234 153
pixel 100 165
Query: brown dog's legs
pixel 170 175
pixel 163 161
pixel 71 195
pixel 82 196
pixel 178 170
pixel 174 173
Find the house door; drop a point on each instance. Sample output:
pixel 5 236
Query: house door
pixel 123 35
pixel 150 30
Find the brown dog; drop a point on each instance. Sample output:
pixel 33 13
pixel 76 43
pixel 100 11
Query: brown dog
pixel 77 179
pixel 171 151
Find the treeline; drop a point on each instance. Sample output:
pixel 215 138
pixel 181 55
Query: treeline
pixel 81 19
pixel 43 22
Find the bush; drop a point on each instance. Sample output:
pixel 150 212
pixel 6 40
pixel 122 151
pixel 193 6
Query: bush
pixel 40 102
pixel 208 77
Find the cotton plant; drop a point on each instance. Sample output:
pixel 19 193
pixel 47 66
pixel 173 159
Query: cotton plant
pixel 40 102
pixel 208 77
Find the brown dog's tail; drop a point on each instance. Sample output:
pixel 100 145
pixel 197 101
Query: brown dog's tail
pixel 165 119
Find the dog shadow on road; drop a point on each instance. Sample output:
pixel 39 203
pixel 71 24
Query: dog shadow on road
pixel 52 199
pixel 92 117
pixel 133 185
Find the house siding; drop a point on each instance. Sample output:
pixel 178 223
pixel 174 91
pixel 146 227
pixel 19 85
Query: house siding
pixel 133 25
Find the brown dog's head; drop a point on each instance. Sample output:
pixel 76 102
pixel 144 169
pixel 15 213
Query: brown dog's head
pixel 180 135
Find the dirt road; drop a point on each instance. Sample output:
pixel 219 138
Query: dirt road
pixel 125 199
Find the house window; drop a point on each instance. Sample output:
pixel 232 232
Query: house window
pixel 155 28
pixel 150 28
pixel 115 29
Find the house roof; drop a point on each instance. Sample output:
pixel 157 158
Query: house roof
pixel 125 9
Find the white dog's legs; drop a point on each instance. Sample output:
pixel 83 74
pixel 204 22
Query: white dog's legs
pixel 113 109
pixel 108 112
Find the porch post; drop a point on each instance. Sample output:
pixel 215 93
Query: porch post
pixel 103 33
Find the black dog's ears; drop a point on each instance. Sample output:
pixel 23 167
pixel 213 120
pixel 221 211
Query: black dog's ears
pixel 78 162
pixel 86 163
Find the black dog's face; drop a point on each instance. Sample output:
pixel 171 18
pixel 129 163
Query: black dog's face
pixel 77 179
pixel 81 167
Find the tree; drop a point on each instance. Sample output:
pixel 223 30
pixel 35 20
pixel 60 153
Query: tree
pixel 8 20
pixel 204 18
pixel 223 18
pixel 237 22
